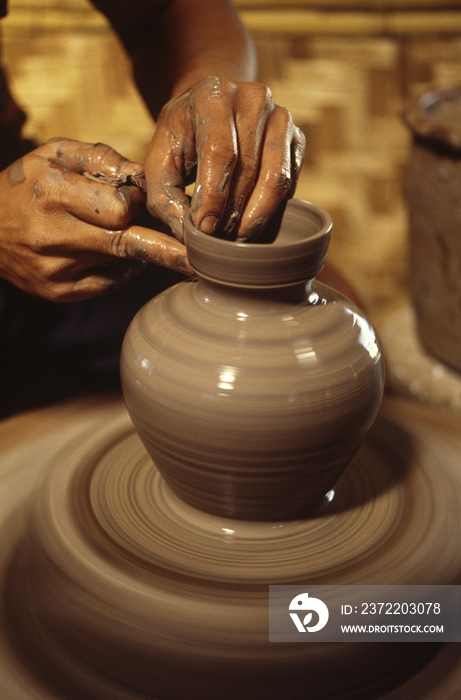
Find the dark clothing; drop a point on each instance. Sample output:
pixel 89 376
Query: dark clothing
pixel 50 351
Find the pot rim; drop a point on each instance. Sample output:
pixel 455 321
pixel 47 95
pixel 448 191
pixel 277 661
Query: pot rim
pixel 296 255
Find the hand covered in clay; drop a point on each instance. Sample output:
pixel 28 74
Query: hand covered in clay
pixel 66 234
pixel 246 150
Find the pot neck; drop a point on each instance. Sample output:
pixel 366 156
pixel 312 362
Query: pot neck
pixel 295 255
pixel 289 294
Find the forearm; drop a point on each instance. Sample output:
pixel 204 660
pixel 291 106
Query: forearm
pixel 175 45
pixel 206 38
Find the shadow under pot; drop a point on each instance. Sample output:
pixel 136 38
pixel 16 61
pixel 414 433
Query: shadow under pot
pixel 252 385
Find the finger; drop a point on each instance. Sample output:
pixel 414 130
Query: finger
pixel 166 197
pixel 81 157
pixel 137 242
pixel 96 218
pixel 254 106
pixel 93 202
pixel 282 153
pixel 169 161
pixel 54 277
pixel 133 243
pixel 110 262
pixel 217 155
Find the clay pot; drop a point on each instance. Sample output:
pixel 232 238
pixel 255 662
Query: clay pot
pixel 433 190
pixel 253 386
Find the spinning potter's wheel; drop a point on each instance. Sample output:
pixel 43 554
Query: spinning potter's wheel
pixel 112 588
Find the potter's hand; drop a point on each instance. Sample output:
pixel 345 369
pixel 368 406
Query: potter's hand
pixel 247 151
pixel 65 237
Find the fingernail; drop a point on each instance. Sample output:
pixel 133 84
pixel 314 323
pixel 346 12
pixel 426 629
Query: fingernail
pixel 209 223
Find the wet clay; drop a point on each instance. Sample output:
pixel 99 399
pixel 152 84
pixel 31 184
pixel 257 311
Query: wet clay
pixel 16 174
pixel 120 180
